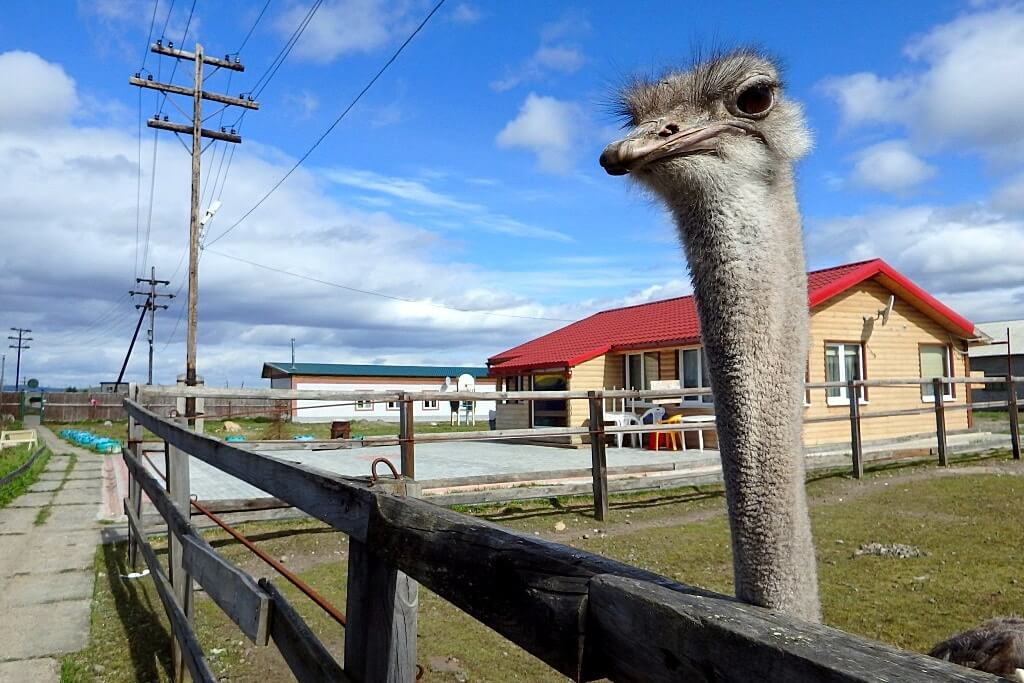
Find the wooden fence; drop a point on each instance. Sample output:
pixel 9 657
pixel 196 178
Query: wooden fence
pixel 603 480
pixel 586 616
pixel 81 406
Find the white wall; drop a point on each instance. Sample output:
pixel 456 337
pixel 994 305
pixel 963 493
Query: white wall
pixel 380 411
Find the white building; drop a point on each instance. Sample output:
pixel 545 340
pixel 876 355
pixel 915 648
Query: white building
pixel 374 378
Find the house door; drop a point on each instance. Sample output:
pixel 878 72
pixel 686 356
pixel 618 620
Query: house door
pixel 550 413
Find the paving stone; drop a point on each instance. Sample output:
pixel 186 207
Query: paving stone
pixel 72 484
pixel 47 475
pixel 53 550
pixel 38 589
pixel 44 486
pixel 29 500
pixel 78 496
pixel 44 670
pixel 72 516
pixel 50 629
pixel 16 519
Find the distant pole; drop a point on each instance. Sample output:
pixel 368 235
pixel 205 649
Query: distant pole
pixel 1011 406
pixel 293 353
pixel 20 345
pixel 151 305
pixel 3 367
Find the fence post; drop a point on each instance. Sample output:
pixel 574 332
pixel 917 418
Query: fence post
pixel 134 488
pixel 1011 407
pixel 598 456
pixel 382 610
pixel 406 437
pixel 940 420
pixel 179 490
pixel 853 395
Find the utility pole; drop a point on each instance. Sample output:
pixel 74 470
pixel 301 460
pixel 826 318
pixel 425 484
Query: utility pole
pixel 20 345
pixel 151 305
pixel 293 353
pixel 197 132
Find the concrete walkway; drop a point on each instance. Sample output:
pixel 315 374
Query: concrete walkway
pixel 47 570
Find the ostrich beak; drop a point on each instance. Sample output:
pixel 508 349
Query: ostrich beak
pixel 647 144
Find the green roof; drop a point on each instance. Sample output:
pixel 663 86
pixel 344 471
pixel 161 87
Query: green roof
pixel 348 370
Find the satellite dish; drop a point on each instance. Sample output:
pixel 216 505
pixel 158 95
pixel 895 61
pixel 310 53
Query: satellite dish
pixel 467 382
pixel 888 309
pixel 33 384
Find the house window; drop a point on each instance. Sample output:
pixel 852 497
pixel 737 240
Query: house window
pixel 430 405
pixel 843 362
pixel 364 405
pixel 936 361
pixel 517 383
pixel 392 405
pixel 641 368
pixel 693 373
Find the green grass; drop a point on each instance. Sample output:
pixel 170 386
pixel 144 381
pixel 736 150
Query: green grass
pixel 10 460
pixel 968 524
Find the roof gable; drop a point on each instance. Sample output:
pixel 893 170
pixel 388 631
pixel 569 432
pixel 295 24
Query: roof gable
pixel 674 321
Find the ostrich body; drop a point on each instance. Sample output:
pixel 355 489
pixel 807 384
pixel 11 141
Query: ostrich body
pixel 717 144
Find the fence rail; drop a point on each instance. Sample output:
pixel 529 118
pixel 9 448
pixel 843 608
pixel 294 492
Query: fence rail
pixel 584 615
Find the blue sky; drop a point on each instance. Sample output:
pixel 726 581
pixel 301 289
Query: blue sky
pixel 467 177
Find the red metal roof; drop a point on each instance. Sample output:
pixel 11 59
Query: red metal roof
pixel 674 321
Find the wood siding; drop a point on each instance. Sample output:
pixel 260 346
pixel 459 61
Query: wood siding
pixel 890 350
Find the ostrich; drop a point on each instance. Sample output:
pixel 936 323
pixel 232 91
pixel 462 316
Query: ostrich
pixel 717 145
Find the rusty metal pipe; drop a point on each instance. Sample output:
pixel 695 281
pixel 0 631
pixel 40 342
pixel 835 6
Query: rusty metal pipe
pixel 308 590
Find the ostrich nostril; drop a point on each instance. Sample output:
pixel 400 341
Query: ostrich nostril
pixel 668 130
pixel 611 160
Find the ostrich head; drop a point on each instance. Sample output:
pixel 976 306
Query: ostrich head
pixel 723 122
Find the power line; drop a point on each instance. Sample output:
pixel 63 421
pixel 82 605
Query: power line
pixel 330 128
pixel 382 295
pixel 257 88
pixel 138 182
pixel 252 28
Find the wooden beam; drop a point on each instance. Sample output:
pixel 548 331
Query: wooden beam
pixel 940 420
pixel 636 631
pixel 857 452
pixel 342 502
pixel 167 51
pixel 183 635
pixel 206 133
pixel 598 457
pixel 381 606
pixel 189 92
pixel 305 655
pixel 234 591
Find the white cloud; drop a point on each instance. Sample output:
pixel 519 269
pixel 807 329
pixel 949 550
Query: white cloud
pixel 548 127
pixel 465 14
pixel 890 167
pixel 344 26
pixel 306 102
pixel 36 92
pixel 1010 196
pixel 966 252
pixel 962 88
pixel 470 214
pixel 554 54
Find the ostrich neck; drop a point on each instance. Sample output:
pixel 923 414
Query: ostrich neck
pixel 746 260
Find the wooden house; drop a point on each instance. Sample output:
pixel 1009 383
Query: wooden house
pixel 867 321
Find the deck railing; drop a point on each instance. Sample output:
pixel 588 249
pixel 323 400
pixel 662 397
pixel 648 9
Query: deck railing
pixel 586 616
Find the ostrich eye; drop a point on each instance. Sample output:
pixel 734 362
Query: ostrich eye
pixel 756 100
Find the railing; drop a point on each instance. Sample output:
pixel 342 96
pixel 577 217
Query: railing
pixel 547 483
pixel 584 615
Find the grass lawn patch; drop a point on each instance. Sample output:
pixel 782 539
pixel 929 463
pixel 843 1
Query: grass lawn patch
pixel 10 460
pixel 965 519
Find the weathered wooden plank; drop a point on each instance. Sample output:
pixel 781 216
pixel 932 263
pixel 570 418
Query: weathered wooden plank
pixel 529 590
pixel 857 452
pixel 191 652
pixel 940 421
pixel 234 591
pixel 342 502
pixel 636 631
pixel 545 475
pixel 228 505
pixel 598 456
pixel 381 606
pixel 580 488
pixel 305 655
